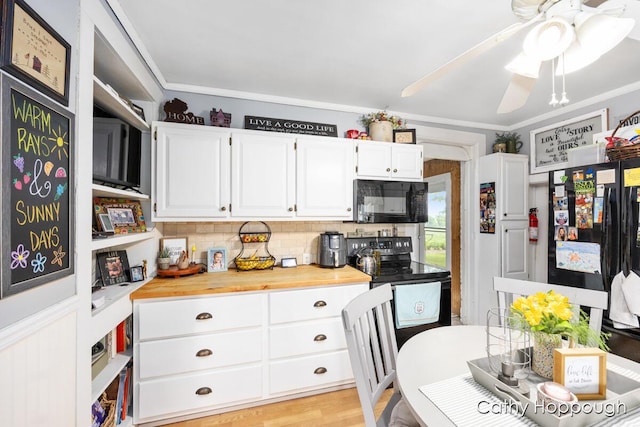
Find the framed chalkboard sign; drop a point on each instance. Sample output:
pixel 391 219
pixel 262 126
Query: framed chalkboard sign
pixel 37 186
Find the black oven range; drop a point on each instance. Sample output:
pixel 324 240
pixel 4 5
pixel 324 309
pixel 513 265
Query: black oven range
pixel 396 267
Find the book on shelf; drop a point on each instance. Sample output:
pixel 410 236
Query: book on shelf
pixel 123 335
pixel 125 395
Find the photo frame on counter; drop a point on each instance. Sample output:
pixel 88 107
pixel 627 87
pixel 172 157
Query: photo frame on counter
pixel 34 52
pixel 216 260
pixel 113 267
pixel 126 216
pixel 582 370
pixel 404 136
pixel 175 245
pixel 136 273
pixel 105 223
pixel 549 144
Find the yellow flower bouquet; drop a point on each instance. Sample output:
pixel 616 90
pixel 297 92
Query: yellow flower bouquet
pixel 551 313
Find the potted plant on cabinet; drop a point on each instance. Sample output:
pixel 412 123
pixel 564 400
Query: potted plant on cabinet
pixel 164 259
pixel 507 142
pixel 381 125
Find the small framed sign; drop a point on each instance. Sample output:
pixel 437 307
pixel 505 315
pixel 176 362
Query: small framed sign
pixel 216 260
pixel 581 370
pixel 404 136
pixel 136 273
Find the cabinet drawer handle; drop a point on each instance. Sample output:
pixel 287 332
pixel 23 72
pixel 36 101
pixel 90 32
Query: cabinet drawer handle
pixel 204 353
pixel 204 316
pixel 321 370
pixel 320 337
pixel 319 304
pixel 202 391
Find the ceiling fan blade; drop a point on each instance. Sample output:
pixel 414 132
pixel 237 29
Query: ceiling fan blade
pixel 516 94
pixel 478 49
pixel 633 11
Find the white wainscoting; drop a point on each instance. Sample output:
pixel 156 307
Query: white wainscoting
pixel 38 376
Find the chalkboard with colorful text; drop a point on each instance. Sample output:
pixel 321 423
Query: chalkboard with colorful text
pixel 37 187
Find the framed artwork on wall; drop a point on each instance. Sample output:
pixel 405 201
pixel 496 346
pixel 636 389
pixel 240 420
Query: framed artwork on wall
pixel 34 52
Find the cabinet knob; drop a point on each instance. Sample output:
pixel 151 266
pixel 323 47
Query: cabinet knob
pixel 348 209
pixel 388 169
pixel 290 209
pixel 202 391
pixel 321 370
pixel 224 208
pixel 204 316
pixel 320 337
pixel 505 214
pixel 395 170
pixel 319 304
pixel 204 353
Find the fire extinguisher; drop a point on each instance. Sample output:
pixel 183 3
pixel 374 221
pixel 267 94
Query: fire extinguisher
pixel 533 225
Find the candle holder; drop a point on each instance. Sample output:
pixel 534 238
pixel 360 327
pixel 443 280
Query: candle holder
pixel 508 347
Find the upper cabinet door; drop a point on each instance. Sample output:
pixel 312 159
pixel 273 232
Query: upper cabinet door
pixel 384 160
pixel 374 159
pixel 192 172
pixel 515 182
pixel 406 161
pixel 325 175
pixel 263 175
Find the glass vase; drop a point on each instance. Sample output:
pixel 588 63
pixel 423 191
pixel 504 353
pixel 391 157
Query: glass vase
pixel 543 346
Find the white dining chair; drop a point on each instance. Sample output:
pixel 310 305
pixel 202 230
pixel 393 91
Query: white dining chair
pixel 372 346
pixel 510 289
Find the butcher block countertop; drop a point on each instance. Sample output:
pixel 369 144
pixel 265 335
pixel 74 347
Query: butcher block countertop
pixel 254 280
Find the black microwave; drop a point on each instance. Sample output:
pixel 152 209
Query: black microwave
pixel 389 202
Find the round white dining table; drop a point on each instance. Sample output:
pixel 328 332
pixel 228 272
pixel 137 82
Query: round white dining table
pixel 442 353
pixel 434 355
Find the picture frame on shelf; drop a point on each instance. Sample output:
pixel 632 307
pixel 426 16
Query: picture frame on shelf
pixel 34 52
pixel 105 223
pixel 113 267
pixel 175 245
pixel 582 370
pixel 126 216
pixel 404 136
pixel 136 273
pixel 216 260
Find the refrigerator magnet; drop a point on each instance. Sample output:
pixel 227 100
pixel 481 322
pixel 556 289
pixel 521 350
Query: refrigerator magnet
pixel 557 177
pixel 559 191
pixel 600 190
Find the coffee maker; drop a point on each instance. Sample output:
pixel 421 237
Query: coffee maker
pixel 332 250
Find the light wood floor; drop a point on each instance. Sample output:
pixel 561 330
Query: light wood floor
pixel 335 409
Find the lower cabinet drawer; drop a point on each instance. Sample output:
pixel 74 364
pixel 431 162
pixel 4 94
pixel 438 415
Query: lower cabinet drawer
pixel 309 372
pixel 192 392
pixel 178 355
pixel 306 338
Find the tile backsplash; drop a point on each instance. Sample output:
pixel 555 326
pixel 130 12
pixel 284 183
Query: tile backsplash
pixel 288 238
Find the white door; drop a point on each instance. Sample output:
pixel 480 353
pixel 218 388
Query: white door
pixel 262 176
pixel 406 161
pixel 374 159
pixel 324 169
pixel 514 178
pixel 191 172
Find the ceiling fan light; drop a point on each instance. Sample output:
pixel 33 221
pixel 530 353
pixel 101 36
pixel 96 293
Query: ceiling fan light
pixel 549 39
pixel 524 65
pixel 575 58
pixel 600 33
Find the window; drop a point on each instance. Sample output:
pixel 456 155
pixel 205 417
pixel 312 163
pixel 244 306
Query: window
pixel 437 236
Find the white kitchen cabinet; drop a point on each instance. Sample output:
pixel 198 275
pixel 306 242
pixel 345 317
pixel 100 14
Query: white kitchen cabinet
pixel 207 353
pixel 191 172
pixel 383 160
pixel 502 252
pixel 324 181
pixel 263 175
pixel 214 353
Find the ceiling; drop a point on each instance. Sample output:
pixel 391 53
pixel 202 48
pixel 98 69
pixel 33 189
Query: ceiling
pixel 357 55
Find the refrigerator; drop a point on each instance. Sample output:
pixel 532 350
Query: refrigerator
pixel 594 234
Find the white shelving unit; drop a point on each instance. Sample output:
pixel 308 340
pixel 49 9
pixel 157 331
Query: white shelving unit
pixel 109 99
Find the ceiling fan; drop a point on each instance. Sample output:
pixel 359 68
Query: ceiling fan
pixel 570 33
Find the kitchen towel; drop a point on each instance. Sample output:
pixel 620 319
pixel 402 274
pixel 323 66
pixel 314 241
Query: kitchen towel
pixel 417 304
pixel 619 311
pixel 631 291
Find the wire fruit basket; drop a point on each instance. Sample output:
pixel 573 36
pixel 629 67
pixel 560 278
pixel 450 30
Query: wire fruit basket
pixel 623 148
pixel 249 235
